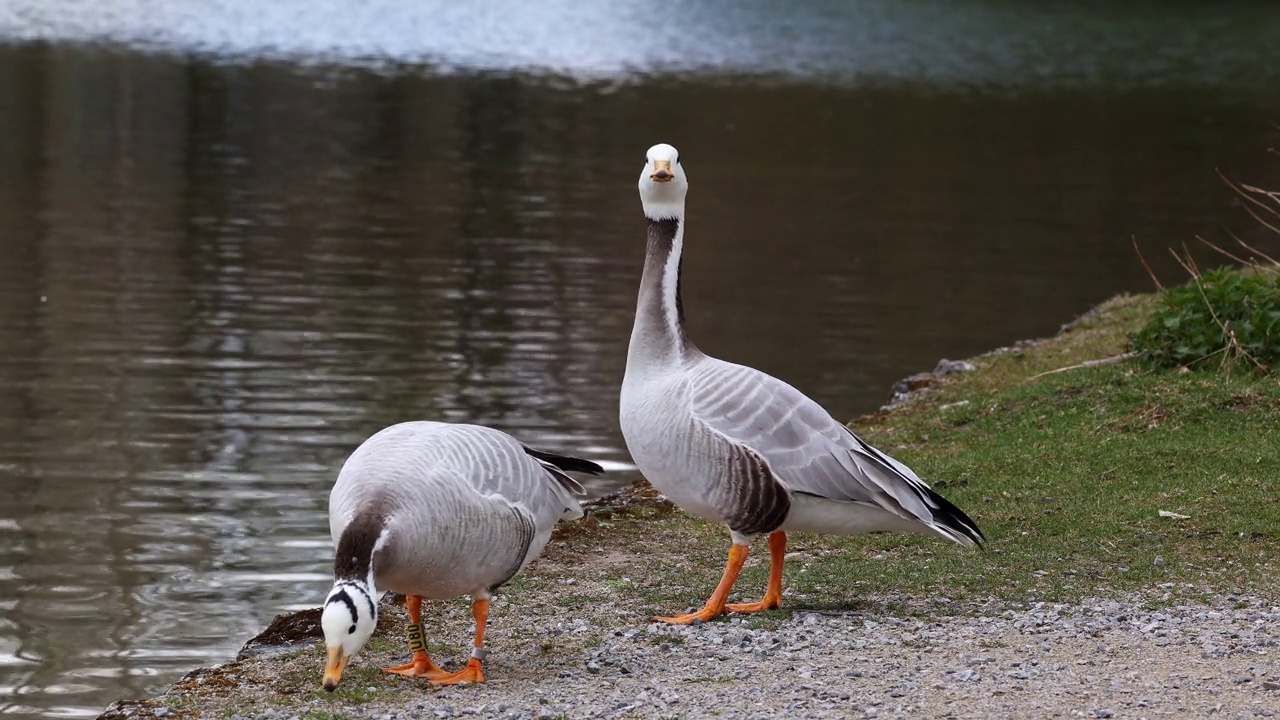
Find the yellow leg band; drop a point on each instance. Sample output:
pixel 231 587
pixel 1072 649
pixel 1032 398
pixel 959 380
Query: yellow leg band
pixel 417 641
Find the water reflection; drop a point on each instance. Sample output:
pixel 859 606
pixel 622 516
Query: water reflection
pixel 218 279
pixel 973 43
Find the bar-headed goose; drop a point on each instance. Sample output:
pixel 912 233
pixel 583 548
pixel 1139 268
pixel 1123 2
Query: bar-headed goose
pixel 436 510
pixel 729 443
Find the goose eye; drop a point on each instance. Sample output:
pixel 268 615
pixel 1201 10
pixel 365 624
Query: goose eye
pixel 351 630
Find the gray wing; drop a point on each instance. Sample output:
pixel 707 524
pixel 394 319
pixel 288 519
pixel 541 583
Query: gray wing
pixel 438 465
pixel 468 491
pixel 808 450
pixel 503 467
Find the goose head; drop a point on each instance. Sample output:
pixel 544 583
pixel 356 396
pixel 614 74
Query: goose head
pixel 349 618
pixel 663 183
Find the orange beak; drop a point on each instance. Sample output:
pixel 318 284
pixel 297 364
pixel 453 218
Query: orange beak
pixel 333 669
pixel 662 171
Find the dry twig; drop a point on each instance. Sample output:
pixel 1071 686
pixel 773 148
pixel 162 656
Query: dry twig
pixel 1240 260
pixel 1246 192
pixel 1252 249
pixel 1088 364
pixel 1143 260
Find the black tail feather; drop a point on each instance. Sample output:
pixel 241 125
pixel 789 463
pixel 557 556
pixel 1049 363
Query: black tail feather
pixel 956 519
pixel 565 462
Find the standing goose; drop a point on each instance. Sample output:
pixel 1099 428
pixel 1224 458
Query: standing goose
pixel 732 444
pixel 435 510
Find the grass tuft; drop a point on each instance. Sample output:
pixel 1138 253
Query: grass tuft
pixel 1222 318
pixel 1068 473
pixel 1089 480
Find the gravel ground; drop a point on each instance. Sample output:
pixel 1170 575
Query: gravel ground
pixel 572 643
pixel 1217 657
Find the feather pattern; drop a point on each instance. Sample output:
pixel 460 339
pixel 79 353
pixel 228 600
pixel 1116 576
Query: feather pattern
pixel 730 443
pixel 458 509
pixel 809 452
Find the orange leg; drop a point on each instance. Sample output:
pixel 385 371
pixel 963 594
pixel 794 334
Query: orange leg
pixel 472 673
pixel 421 665
pixel 715 604
pixel 772 596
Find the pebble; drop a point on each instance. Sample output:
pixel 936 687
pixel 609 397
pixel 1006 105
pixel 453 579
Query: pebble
pixel 999 659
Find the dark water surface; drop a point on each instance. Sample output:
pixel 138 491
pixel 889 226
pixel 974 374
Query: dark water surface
pixel 218 274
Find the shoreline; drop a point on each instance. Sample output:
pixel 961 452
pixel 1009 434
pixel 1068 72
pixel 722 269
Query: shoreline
pixel 570 637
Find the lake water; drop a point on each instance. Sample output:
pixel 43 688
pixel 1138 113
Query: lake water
pixel 238 238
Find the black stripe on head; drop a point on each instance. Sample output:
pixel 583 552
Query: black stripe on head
pixel 373 609
pixel 342 596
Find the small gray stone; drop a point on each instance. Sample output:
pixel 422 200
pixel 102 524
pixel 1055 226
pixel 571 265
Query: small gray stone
pixel 948 367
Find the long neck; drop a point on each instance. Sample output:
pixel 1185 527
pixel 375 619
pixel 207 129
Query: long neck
pixel 360 540
pixel 658 333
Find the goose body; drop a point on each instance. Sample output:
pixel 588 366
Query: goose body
pixel 437 510
pixel 732 444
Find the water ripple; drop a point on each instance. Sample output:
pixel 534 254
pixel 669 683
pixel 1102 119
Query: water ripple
pixel 218 280
pixel 877 41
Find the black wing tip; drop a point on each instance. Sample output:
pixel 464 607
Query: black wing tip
pixel 565 462
pixel 957 520
pixel 947 515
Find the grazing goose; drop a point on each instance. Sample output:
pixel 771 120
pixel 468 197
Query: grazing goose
pixel 435 510
pixel 729 443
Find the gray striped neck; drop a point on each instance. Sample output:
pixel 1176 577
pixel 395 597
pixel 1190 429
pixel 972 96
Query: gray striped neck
pixel 360 541
pixel 353 585
pixel 659 332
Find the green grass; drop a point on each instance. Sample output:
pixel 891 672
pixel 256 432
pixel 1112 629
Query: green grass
pixel 1065 472
pixel 1219 320
pixel 1067 477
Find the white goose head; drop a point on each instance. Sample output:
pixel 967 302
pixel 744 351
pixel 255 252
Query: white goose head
pixel 663 183
pixel 349 619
